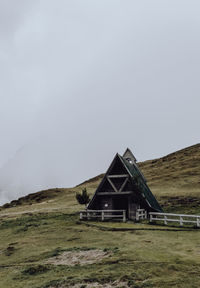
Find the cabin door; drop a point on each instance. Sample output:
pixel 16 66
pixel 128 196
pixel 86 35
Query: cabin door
pixel 132 210
pixel 120 203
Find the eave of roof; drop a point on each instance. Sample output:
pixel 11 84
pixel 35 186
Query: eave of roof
pixel 142 186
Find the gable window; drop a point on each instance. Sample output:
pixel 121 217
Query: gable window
pixel 129 160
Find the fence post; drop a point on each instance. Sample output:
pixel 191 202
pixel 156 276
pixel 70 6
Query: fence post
pixel 181 221
pixel 102 215
pixel 137 216
pixel 150 217
pixel 124 216
pixel 198 222
pixel 145 214
pixel 165 221
pixel 81 215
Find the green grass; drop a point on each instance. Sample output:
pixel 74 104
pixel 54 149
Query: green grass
pixel 144 255
pixel 145 258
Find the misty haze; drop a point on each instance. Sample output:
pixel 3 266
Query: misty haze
pixel 82 80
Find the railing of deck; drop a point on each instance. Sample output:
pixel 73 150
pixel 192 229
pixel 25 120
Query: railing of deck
pixel 103 214
pixel 141 214
pixel 179 218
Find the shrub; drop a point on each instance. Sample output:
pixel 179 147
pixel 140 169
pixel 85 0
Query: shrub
pixel 83 197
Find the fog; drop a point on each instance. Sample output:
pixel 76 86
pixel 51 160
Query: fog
pixel 82 80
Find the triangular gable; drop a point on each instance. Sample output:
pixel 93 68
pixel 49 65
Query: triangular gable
pixel 109 180
pixel 128 155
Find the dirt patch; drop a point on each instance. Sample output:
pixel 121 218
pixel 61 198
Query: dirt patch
pixel 72 258
pixel 116 284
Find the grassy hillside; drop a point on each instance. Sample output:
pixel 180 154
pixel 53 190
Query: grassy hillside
pixel 179 171
pixel 174 178
pixel 41 230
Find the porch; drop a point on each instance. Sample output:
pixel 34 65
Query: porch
pixel 114 215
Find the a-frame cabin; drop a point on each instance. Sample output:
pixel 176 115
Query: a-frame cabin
pixel 124 188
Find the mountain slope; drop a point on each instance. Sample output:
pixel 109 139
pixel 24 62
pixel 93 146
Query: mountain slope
pixel 174 180
pixel 179 169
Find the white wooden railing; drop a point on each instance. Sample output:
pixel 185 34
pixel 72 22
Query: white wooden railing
pixel 103 214
pixel 179 218
pixel 141 214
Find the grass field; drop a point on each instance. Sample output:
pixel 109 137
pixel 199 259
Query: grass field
pixel 46 225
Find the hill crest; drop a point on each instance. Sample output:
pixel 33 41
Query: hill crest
pixel 177 172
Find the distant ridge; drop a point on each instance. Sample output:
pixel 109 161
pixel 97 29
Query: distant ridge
pixel 178 171
pixel 180 168
pixel 91 180
pixel 190 149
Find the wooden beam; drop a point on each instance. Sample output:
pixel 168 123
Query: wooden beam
pixel 118 176
pixel 113 186
pixel 115 193
pixel 123 185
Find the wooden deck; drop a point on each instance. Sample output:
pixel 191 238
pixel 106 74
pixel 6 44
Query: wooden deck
pixel 103 215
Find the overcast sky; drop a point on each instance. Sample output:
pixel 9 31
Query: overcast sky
pixel 83 79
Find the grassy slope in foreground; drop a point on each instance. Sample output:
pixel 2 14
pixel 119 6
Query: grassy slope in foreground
pixel 44 226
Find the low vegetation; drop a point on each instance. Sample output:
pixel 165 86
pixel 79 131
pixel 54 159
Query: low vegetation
pixel 83 198
pixel 36 234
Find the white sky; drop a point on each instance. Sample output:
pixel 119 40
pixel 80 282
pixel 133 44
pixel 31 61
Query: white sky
pixel 82 80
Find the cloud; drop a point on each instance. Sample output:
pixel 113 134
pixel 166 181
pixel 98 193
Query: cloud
pixel 81 80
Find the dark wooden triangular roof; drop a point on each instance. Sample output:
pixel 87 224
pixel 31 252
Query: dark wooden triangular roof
pixel 143 188
pixel 137 180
